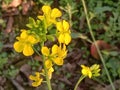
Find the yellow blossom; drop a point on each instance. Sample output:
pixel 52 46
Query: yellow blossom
pixel 25 43
pixel 49 15
pixel 56 55
pixel 86 71
pixel 48 63
pixel 36 79
pixel 49 72
pixel 92 71
pixel 59 54
pixel 64 32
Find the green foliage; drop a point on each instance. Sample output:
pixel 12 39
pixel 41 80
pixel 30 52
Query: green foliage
pixel 34 64
pixel 70 8
pixel 11 72
pixel 106 19
pixel 1 46
pixel 2 23
pixel 3 60
pixel 113 65
pixel 48 2
pixel 37 28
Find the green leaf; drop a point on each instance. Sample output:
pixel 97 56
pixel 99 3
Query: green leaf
pixel 51 37
pixel 99 10
pixel 113 53
pixel 78 35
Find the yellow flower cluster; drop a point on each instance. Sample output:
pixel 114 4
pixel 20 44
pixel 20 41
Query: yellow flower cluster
pixel 25 43
pixel 38 32
pixel 54 55
pixel 49 15
pixel 92 71
pixel 36 79
pixel 63 27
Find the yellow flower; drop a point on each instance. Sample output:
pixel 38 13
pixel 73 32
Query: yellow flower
pixel 92 71
pixel 59 54
pixel 95 70
pixel 64 32
pixel 36 79
pixel 56 55
pixel 48 63
pixel 86 71
pixel 49 72
pixel 49 15
pixel 25 43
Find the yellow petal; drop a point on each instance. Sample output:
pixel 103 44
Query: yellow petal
pixel 46 9
pixel 37 83
pixel 50 72
pixel 41 17
pixel 48 64
pixel 18 46
pixel 66 25
pixel 31 77
pixel 67 38
pixel 37 74
pixel 83 66
pixel 28 51
pixel 59 26
pixel 51 69
pixel 85 72
pixel 24 34
pixel 58 61
pixel 54 49
pixel 62 54
pixel 45 51
pixel 61 38
pixel 32 39
pixel 55 13
pixel 90 74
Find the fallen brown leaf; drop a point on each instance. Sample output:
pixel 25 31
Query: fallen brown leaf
pixel 15 3
pixel 102 46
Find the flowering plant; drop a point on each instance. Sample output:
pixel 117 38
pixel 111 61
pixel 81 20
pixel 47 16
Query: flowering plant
pixel 37 34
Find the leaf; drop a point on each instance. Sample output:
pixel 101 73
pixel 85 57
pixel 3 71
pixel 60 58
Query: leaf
pixel 114 53
pixel 102 46
pixel 50 37
pixel 75 35
pixel 99 10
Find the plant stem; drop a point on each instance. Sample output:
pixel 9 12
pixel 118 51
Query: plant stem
pixel 98 50
pixel 80 79
pixel 69 14
pixel 46 72
pixel 46 75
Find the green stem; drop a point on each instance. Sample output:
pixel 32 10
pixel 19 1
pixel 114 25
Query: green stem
pixel 98 50
pixel 46 75
pixel 69 14
pixel 46 71
pixel 80 79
